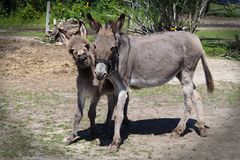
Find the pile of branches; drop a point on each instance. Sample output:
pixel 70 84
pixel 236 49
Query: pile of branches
pixel 65 29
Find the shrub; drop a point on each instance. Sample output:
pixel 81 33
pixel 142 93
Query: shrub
pixel 105 10
pixel 28 13
pixel 76 10
pixel 234 48
pixel 79 10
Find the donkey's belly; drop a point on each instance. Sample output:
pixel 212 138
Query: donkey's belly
pixel 144 83
pixel 143 77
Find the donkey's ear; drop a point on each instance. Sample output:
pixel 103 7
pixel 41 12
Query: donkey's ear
pixel 93 23
pixel 120 21
pixel 117 26
pixel 82 30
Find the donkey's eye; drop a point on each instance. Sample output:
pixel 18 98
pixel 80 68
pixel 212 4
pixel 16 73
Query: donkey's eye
pixel 71 51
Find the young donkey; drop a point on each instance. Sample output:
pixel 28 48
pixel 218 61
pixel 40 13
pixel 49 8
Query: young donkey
pixel 148 61
pixel 79 48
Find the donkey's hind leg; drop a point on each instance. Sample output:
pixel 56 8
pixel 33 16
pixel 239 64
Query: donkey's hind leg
pixel 185 77
pixel 200 115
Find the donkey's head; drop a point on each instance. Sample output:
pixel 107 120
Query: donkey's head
pixel 80 48
pixel 106 46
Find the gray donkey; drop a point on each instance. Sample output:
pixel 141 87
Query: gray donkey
pixel 79 48
pixel 148 61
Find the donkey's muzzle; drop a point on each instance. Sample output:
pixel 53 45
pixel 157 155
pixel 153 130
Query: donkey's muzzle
pixel 82 57
pixel 101 71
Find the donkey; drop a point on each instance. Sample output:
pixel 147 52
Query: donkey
pixel 79 48
pixel 148 61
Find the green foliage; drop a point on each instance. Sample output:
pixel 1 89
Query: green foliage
pixel 219 10
pixel 105 10
pixel 79 10
pixel 17 22
pixel 7 7
pixel 76 10
pixel 12 7
pixel 29 13
pixel 59 10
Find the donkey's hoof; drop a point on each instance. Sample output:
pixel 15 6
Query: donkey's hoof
pixel 203 132
pixel 71 139
pixel 113 147
pixel 176 133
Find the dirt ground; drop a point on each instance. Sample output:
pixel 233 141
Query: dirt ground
pixel 38 95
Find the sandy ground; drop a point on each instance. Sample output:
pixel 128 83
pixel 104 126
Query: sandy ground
pixel 37 87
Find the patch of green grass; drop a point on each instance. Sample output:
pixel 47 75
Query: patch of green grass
pixel 225 94
pixel 13 32
pixel 215 51
pixel 3 106
pixel 215 42
pixel 16 138
pixel 165 90
pixel 37 98
pixel 221 34
pixel 224 10
pixel 31 34
pixel 229 95
pixel 234 96
pixel 15 142
pixel 18 22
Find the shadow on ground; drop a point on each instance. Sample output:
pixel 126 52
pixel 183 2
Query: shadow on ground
pixel 142 127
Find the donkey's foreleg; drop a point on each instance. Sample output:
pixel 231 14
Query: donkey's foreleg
pixel 197 101
pixel 77 119
pixel 187 93
pixel 122 96
pixel 92 113
pixel 112 100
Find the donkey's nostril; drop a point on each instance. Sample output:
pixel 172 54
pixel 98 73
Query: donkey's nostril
pixel 104 75
pixel 100 76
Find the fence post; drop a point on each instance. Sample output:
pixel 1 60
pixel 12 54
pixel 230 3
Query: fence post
pixel 47 17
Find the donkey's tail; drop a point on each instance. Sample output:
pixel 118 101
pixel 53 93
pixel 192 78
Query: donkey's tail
pixel 208 75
